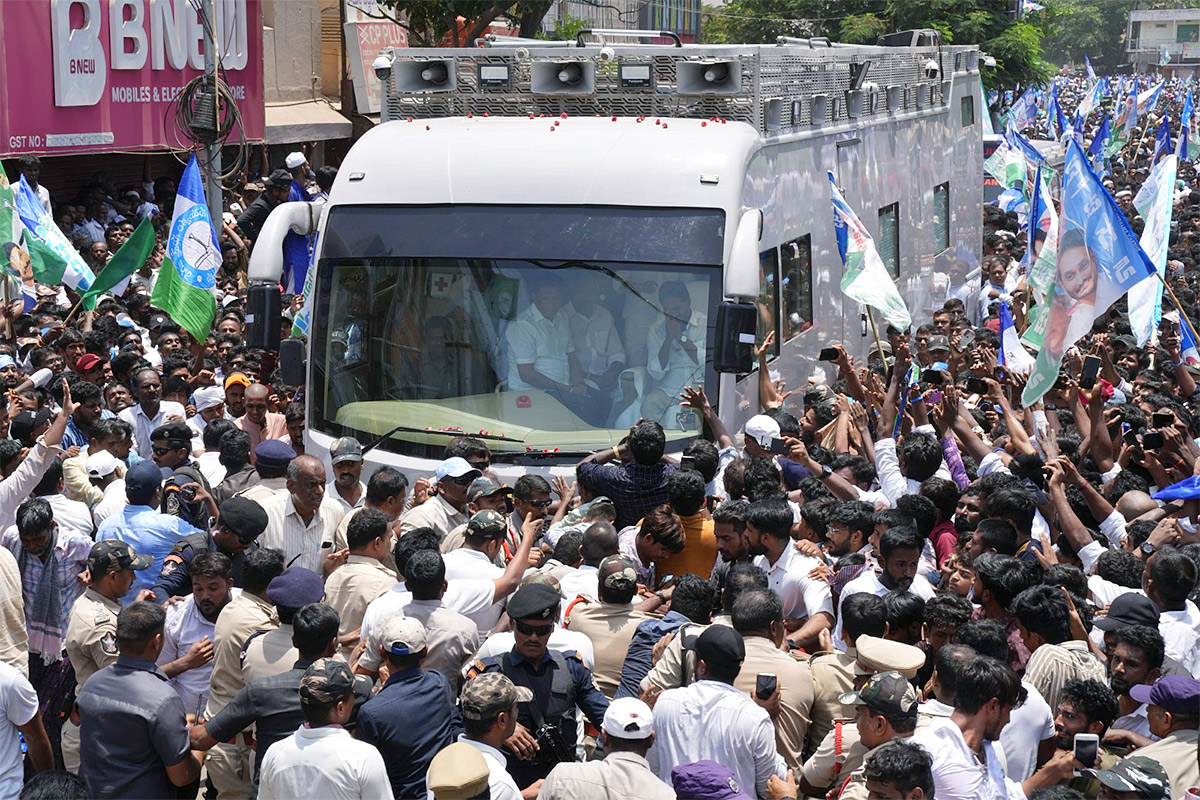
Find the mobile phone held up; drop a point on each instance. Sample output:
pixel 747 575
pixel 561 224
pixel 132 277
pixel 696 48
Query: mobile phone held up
pixel 977 386
pixel 764 685
pixel 1087 749
pixel 1091 368
pixel 828 354
pixel 779 447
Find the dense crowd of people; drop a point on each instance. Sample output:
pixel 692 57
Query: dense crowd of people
pixel 871 590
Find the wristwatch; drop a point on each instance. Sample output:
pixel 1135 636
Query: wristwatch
pixel 662 598
pixel 825 471
pixel 1148 548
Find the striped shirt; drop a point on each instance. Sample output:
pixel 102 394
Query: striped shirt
pixel 1052 665
pixel 299 541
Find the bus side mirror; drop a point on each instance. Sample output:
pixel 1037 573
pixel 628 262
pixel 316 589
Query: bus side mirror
pixel 737 325
pixel 743 273
pixel 291 361
pixel 264 308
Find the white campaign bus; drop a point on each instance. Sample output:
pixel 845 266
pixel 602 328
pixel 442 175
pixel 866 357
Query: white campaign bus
pixel 662 192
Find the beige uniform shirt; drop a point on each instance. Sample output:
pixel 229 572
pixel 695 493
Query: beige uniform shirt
pixel 14 640
pixel 92 634
pixel 1177 754
pixel 351 587
pixel 833 761
pixel 617 777
pixel 832 674
pixel 339 540
pixel 246 615
pixel 678 667
pixel 795 694
pixel 610 626
pixel 268 654
pixel 451 640
pixel 434 513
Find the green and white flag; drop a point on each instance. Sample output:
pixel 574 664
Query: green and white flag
pixel 1007 165
pixel 1153 202
pixel 866 279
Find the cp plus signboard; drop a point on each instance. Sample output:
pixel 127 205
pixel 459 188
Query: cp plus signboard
pixel 89 76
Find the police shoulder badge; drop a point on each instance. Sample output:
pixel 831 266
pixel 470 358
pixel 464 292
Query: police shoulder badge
pixel 108 643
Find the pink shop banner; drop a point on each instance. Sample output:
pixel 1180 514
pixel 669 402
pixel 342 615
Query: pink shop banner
pixel 96 76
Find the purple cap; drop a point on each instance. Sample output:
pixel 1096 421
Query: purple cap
pixel 706 780
pixel 1178 694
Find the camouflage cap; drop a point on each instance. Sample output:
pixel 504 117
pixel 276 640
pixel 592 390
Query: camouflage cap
pixel 888 693
pixel 325 682
pixel 544 579
pixel 486 695
pixel 618 573
pixel 110 555
pixel 1139 774
pixel 487 524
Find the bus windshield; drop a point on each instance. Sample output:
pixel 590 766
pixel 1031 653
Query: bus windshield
pixel 547 331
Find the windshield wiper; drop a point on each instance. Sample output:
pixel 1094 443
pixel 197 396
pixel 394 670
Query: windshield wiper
pixel 552 452
pixel 443 431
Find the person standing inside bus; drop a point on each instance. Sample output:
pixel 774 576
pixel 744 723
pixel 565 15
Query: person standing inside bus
pixel 675 352
pixel 542 356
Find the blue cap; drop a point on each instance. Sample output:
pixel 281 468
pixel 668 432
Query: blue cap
pixel 455 467
pixel 295 588
pixel 141 482
pixel 273 453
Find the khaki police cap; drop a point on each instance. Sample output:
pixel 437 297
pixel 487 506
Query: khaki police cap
pixel 879 655
pixel 458 772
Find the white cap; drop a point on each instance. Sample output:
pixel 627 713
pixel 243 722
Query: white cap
pixel 208 397
pixel 762 429
pixel 402 636
pixel 295 160
pixel 629 718
pixel 101 464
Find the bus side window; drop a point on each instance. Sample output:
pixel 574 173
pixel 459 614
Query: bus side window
pixel 768 298
pixel 796 264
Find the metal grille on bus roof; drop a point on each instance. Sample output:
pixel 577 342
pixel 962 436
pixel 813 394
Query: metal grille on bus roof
pixel 793 74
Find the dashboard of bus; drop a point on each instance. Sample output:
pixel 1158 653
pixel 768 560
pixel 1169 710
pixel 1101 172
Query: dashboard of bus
pixel 547 331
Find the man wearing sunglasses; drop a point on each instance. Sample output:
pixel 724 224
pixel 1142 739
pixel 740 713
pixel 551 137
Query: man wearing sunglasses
pixel 445 510
pixel 531 497
pixel 171 448
pixel 559 683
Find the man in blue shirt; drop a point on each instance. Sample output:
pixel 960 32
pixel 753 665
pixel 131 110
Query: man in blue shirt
pixel 143 526
pixel 133 729
pixel 637 485
pixel 410 694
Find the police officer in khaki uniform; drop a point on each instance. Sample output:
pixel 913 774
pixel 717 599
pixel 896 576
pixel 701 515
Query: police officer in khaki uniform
pixel 92 630
pixel 611 622
pixel 272 653
pixel 251 612
pixel 841 751
pixel 834 672
pixel 758 617
pixel 886 708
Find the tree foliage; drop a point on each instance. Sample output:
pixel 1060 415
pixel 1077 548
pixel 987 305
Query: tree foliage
pixel 1016 44
pixel 434 23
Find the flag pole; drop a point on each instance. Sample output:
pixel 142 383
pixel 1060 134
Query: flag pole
pixel 75 310
pixel 875 330
pixel 1182 314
